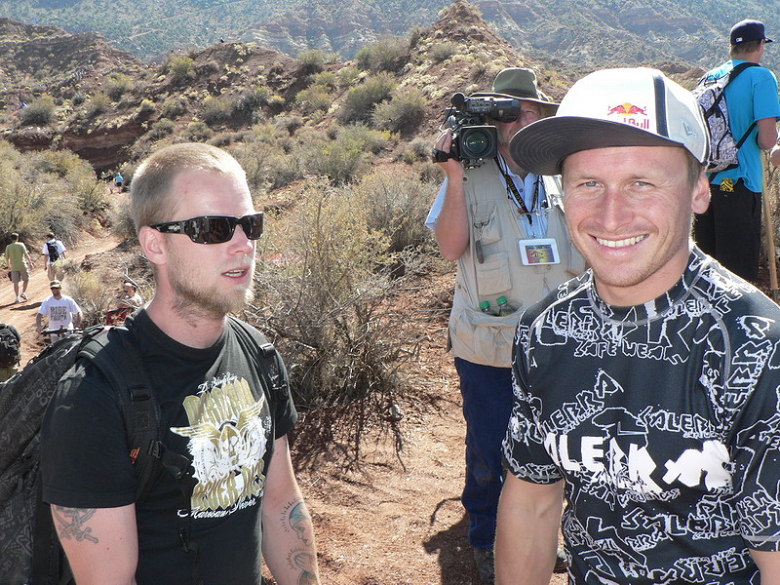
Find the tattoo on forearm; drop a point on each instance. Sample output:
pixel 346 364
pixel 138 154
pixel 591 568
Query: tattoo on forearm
pixel 307 563
pixel 72 524
pixel 300 522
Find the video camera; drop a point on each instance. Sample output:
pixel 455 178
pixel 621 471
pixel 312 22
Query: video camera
pixel 474 141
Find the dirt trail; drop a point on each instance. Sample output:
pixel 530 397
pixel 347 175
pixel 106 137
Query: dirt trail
pixel 22 315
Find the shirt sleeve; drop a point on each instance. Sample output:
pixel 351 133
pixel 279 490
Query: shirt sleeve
pixel 438 203
pixel 523 448
pixel 285 414
pixel 765 101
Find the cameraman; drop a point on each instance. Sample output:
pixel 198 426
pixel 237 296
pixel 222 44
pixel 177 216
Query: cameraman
pixel 505 229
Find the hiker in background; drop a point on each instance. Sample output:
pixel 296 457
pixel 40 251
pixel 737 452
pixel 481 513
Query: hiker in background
pixel 487 219
pixel 236 499
pixel 119 181
pixel 129 297
pixel 127 301
pixel 62 313
pixel 52 251
pixel 730 229
pixel 10 351
pixel 646 390
pixel 18 261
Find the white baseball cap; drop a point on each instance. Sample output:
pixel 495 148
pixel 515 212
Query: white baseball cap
pixel 614 107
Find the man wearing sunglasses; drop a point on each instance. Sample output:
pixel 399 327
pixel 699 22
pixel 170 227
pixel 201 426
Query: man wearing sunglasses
pixel 238 500
pixel 505 229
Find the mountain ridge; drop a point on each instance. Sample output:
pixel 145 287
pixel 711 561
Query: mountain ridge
pixel 589 33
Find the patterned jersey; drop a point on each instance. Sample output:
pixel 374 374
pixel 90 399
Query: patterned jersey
pixel 662 420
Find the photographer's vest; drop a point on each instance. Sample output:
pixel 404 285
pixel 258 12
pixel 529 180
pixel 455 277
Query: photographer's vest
pixel 495 223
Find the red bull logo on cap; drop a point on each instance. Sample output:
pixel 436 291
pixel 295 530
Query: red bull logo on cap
pixel 631 114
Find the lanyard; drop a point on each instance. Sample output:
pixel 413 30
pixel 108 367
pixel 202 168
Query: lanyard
pixel 514 195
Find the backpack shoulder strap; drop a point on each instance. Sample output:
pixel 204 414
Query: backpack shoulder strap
pixel 737 69
pixel 116 355
pixel 732 76
pixel 272 370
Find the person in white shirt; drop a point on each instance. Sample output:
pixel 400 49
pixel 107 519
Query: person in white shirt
pixel 62 312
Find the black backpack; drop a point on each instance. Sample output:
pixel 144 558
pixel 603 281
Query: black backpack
pixel 29 550
pixel 54 254
pixel 10 353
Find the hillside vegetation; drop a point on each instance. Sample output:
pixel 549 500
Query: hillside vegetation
pixel 586 32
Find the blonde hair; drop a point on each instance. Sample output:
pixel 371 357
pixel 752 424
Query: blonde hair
pixel 151 201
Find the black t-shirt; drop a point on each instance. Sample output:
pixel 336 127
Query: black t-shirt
pixel 662 420
pixel 217 413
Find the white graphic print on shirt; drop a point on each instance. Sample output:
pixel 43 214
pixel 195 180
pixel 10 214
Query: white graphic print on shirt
pixel 227 442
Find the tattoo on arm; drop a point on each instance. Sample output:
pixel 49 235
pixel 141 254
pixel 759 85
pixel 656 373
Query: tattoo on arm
pixel 305 561
pixel 72 524
pixel 300 522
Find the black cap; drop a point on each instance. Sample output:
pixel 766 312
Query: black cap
pixel 747 31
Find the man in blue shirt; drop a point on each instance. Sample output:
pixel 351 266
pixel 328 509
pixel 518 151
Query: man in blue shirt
pixel 730 230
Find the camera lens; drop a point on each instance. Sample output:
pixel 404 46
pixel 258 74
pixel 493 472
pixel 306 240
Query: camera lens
pixel 478 142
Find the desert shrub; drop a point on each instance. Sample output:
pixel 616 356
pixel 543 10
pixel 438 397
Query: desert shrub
pixel 246 109
pixel 415 34
pixel 281 169
pixel 397 204
pixel 197 131
pixel 368 139
pixel 360 101
pixel 289 123
pixel 146 108
pixel 322 293
pixel 98 104
pixel 122 226
pixel 342 160
pixel 311 61
pixel 348 75
pixel 44 190
pixel 429 171
pixel 404 113
pixel 314 98
pixel 385 55
pixel 442 51
pixel 180 68
pixel 160 129
pixel 266 164
pixel 78 98
pixel 92 295
pixel 38 113
pixel 117 86
pixel 277 103
pixel 416 150
pixel 326 79
pixel 173 107
pixel 207 68
pixel 215 111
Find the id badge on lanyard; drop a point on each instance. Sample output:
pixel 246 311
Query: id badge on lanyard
pixel 539 251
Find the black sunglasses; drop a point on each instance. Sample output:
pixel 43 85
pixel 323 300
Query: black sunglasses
pixel 214 229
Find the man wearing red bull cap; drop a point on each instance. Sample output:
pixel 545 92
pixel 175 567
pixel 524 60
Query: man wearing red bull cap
pixel 730 230
pixel 647 389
